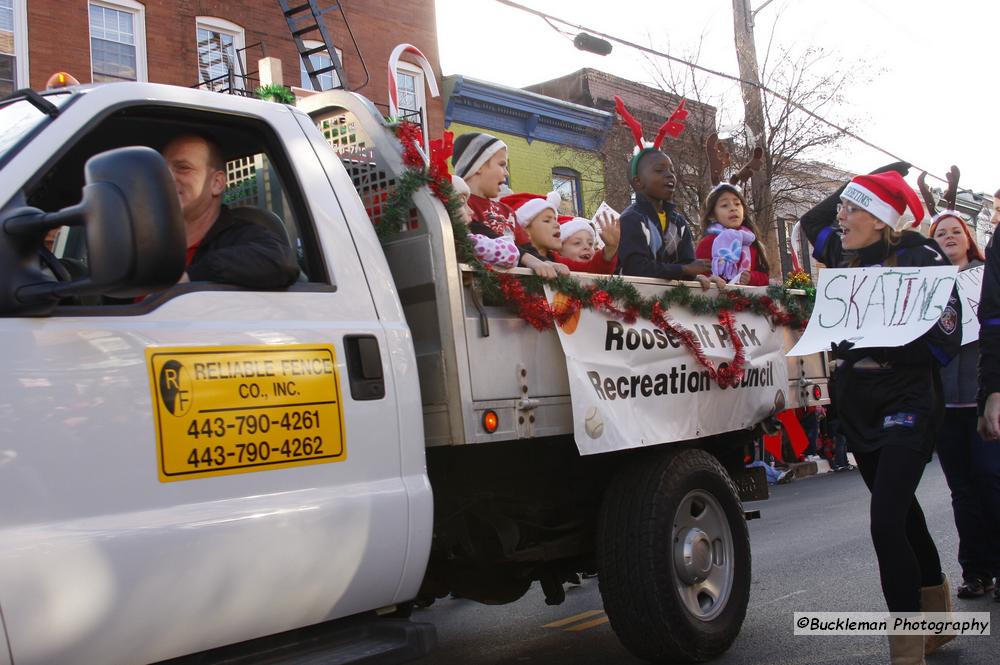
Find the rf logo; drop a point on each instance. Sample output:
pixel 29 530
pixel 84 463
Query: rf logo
pixel 175 388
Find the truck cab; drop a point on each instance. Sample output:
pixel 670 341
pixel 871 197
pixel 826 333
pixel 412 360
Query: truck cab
pixel 103 558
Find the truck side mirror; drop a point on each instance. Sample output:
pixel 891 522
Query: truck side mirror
pixel 133 228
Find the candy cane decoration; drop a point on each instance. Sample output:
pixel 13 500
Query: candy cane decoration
pixel 425 65
pixel 796 243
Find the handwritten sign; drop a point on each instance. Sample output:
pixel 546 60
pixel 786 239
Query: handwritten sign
pixel 970 285
pixel 875 307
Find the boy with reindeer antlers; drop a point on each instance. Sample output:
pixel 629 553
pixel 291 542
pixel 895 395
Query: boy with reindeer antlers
pixel 655 236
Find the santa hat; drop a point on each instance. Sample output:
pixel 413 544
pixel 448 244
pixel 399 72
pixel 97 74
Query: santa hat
pixel 460 186
pixel 884 195
pixel 472 150
pixel 572 225
pixel 528 206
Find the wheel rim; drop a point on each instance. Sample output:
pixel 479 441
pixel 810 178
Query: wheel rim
pixel 703 555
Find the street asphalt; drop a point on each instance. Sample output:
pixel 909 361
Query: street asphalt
pixel 811 552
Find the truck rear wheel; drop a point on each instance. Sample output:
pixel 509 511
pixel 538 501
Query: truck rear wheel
pixel 674 558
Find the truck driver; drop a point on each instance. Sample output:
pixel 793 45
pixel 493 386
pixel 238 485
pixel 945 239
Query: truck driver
pixel 224 245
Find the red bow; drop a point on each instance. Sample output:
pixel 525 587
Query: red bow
pixel 441 150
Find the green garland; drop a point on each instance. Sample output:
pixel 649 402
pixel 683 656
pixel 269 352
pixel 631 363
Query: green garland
pixel 795 308
pixel 273 92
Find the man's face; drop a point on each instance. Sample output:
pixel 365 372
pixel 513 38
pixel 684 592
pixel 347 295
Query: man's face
pixel 995 219
pixel 655 178
pixel 199 184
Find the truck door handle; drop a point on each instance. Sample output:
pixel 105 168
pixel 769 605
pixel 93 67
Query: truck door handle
pixel 364 367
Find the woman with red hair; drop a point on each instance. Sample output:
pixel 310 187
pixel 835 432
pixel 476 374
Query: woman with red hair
pixel 971 465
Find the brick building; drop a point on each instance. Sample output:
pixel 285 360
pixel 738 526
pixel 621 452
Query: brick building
pixel 187 42
pixel 552 144
pixel 651 106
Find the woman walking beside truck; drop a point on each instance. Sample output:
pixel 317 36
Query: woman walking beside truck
pixel 890 399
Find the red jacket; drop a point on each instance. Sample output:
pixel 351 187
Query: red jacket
pixel 597 265
pixel 757 277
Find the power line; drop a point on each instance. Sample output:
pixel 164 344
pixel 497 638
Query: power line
pixel 645 49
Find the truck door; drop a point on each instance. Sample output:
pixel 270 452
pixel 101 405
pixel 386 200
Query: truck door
pixel 210 464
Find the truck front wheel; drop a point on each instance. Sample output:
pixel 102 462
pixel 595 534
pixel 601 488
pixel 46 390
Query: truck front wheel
pixel 674 557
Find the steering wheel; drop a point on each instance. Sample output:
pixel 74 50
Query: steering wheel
pixel 50 261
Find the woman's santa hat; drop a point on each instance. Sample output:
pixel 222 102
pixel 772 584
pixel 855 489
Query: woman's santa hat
pixel 570 226
pixel 472 150
pixel 528 206
pixel 884 195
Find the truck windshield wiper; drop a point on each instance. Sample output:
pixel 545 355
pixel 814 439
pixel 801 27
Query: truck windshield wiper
pixel 36 100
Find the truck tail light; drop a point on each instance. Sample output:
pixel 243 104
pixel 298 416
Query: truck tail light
pixel 490 421
pixel 817 392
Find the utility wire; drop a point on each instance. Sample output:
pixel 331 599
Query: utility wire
pixel 645 49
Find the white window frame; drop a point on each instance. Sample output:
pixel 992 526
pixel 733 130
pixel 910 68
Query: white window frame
pixel 217 24
pixel 419 83
pixel 20 53
pixel 138 11
pixel 312 43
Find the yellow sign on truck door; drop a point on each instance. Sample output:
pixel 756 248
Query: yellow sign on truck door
pixel 235 409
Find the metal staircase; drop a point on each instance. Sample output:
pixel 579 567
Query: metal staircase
pixel 304 19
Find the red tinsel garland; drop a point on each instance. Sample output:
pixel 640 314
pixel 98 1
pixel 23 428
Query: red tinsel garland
pixel 412 139
pixel 538 313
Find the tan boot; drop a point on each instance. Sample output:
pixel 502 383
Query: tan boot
pixel 907 649
pixel 936 599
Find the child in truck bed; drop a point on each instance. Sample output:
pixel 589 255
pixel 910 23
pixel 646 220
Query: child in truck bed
pixel 731 241
pixel 539 217
pixel 580 241
pixel 500 252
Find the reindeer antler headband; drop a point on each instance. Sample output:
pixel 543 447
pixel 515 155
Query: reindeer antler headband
pixel 673 126
pixel 719 159
pixel 950 196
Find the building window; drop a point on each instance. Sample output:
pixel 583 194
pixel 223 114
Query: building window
pixel 220 51
pixel 117 41
pixel 410 92
pixel 13 46
pixel 327 81
pixel 567 183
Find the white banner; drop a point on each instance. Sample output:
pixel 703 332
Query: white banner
pixel 875 307
pixel 970 285
pixel 635 385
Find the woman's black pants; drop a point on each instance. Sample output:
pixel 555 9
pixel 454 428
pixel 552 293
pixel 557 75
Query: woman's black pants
pixel 907 557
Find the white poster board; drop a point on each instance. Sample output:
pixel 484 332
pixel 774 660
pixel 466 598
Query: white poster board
pixel 875 307
pixel 634 385
pixel 970 285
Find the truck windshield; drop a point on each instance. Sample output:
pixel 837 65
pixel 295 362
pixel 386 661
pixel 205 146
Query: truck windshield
pixel 19 118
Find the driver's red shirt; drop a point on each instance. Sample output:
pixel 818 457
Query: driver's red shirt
pixel 189 256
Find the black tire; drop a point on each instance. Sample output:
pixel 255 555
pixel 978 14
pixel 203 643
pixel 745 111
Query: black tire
pixel 647 599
